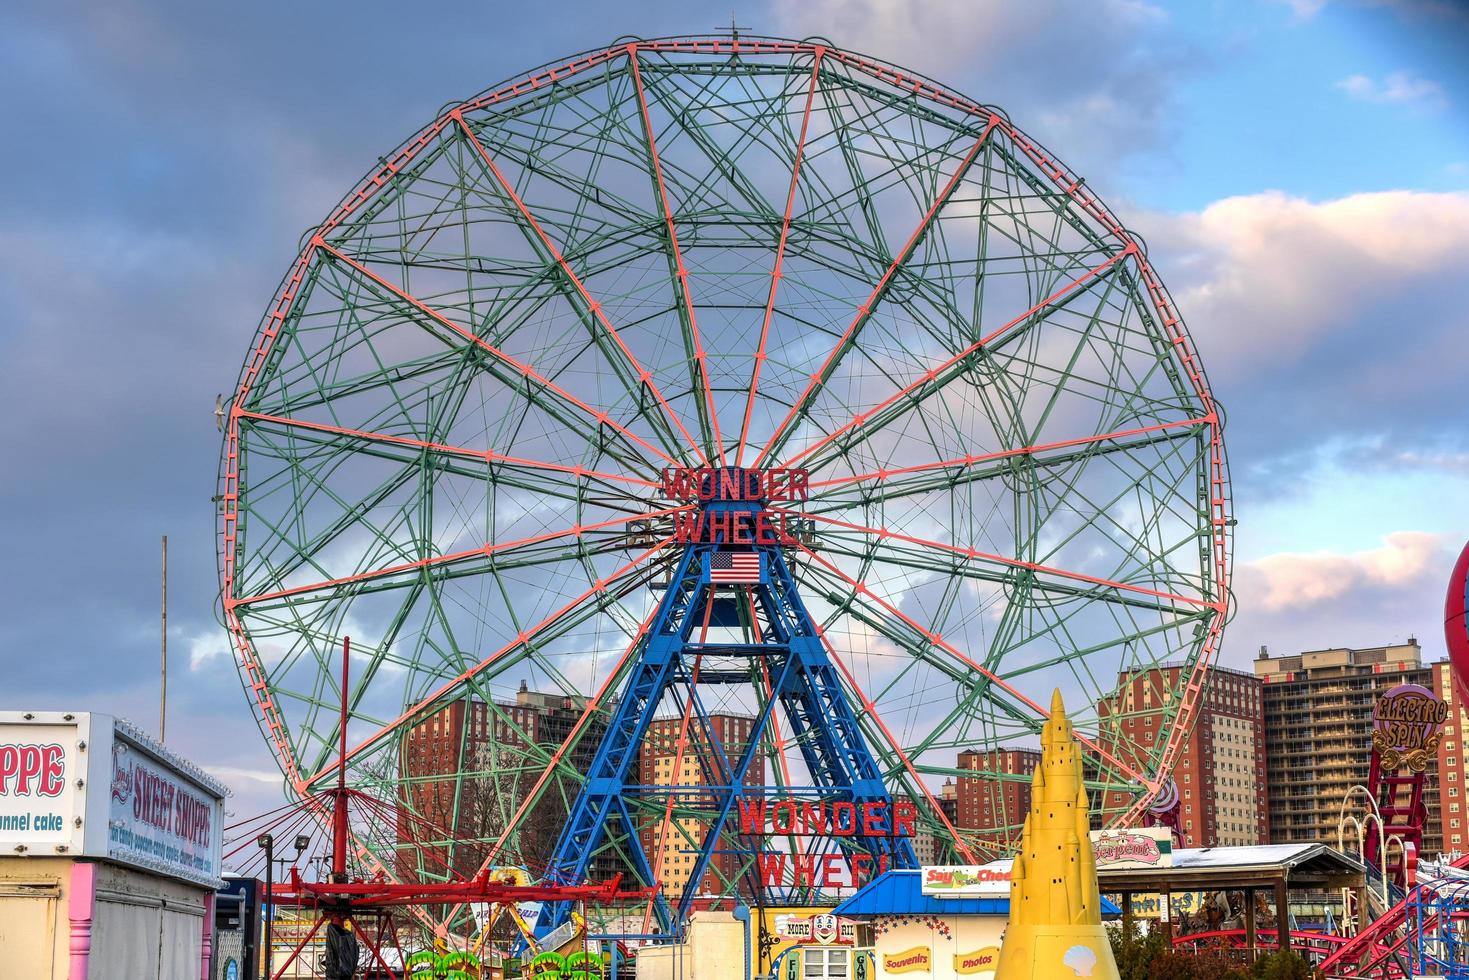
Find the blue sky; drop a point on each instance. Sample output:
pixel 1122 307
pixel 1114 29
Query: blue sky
pixel 1300 171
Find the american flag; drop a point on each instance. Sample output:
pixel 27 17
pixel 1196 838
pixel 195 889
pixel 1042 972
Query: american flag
pixel 738 567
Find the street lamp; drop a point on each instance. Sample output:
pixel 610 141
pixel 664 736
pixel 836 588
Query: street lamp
pixel 267 844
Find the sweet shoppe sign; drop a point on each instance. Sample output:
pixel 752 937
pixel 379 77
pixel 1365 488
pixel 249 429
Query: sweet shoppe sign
pixel 79 784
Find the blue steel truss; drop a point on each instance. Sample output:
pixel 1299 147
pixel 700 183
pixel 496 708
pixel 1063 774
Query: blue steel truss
pixel 805 685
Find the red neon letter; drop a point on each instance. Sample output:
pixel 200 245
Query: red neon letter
pixel 905 815
pixel 752 816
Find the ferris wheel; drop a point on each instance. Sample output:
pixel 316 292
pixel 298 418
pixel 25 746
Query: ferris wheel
pixel 473 427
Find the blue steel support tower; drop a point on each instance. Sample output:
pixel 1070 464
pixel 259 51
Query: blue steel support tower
pixel 803 684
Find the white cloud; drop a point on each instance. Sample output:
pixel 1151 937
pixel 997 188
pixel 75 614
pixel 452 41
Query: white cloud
pixel 1304 9
pixel 233 775
pixel 1109 100
pixel 947 33
pixel 1293 580
pixel 207 645
pixel 1265 276
pixel 1396 88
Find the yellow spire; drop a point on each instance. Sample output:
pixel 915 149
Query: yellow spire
pixel 1055 925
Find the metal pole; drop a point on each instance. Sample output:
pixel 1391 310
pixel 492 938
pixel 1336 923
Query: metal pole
pixel 339 812
pixel 268 905
pixel 163 694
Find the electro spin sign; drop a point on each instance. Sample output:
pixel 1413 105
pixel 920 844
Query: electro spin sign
pixel 1407 725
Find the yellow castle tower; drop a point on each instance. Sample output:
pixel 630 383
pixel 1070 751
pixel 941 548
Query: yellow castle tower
pixel 1055 925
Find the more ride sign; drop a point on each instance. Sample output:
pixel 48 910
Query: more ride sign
pixel 76 784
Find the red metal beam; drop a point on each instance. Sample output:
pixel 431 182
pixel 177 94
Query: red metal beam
pixel 970 459
pixel 524 369
pixel 974 554
pixel 974 665
pixel 487 455
pixel 887 734
pixel 780 251
pixel 929 375
pixel 875 296
pixel 680 269
pixel 521 639
pixel 485 550
pixel 595 308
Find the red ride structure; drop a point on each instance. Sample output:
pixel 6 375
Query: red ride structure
pixel 1379 950
pixel 370 911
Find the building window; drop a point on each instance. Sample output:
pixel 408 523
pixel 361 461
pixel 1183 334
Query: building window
pixel 824 963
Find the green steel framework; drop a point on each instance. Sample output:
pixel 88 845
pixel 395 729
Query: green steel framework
pixel 447 436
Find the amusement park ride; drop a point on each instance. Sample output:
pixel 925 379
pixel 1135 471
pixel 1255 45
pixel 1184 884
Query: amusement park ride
pixel 702 377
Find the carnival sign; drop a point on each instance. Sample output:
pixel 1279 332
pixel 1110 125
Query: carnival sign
pixel 39 770
pixel 159 817
pixel 821 929
pixel 967 881
pixel 1407 725
pixel 915 960
pixel 979 961
pixel 89 785
pixel 1141 847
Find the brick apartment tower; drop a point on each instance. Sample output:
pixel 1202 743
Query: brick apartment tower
pixel 490 747
pixel 990 805
pixel 1318 713
pixel 656 759
pixel 1221 767
pixel 1452 770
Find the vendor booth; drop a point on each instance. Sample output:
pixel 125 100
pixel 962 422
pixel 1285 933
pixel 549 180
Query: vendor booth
pixel 937 922
pixel 109 852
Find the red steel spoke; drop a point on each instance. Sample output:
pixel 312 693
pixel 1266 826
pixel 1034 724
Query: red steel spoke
pixel 521 639
pixel 973 458
pixel 677 771
pixel 587 711
pixel 974 554
pixel 872 712
pixel 974 665
pixel 488 455
pixel 929 375
pixel 780 251
pixel 525 369
pixel 595 308
pixel 681 270
pixel 875 297
pixel 485 550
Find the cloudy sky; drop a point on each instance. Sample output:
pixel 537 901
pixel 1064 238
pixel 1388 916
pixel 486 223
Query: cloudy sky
pixel 1299 170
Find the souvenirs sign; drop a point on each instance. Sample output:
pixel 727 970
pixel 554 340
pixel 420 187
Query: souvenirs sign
pixel 915 960
pixel 1139 847
pixel 1407 725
